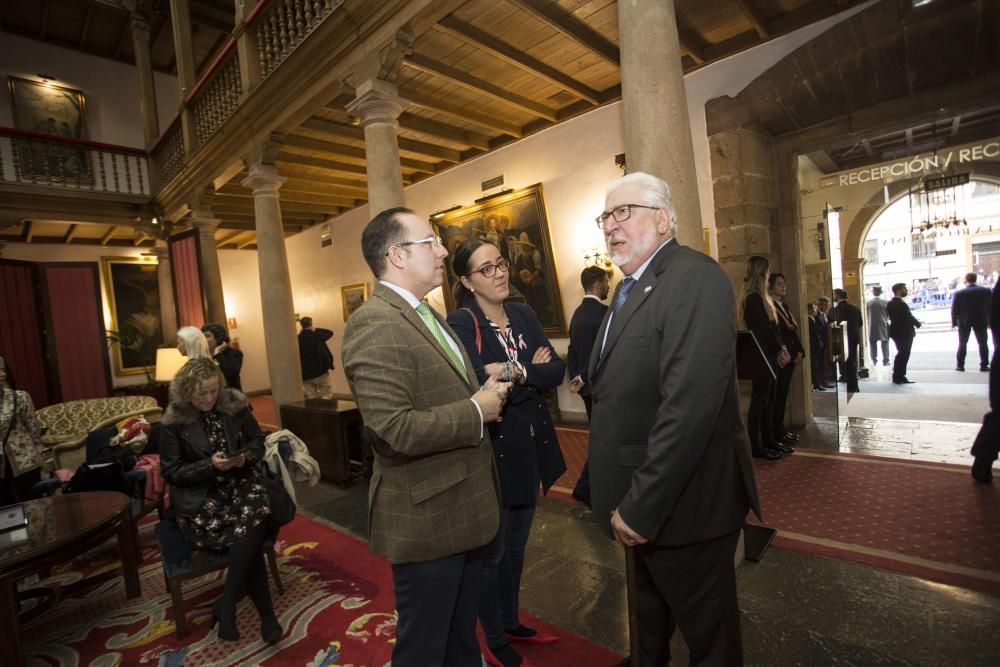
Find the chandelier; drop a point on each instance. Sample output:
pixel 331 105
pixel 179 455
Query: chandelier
pixel 937 204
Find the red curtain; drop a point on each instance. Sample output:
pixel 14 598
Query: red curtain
pixel 187 280
pixel 20 329
pixel 76 333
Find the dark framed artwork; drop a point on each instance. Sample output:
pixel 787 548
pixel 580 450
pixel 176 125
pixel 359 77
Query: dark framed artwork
pixel 354 297
pixel 132 294
pixel 54 110
pixel 516 223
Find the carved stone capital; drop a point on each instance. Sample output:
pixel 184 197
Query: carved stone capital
pixel 381 64
pixel 161 250
pixel 266 152
pixel 377 101
pixel 264 179
pixel 141 26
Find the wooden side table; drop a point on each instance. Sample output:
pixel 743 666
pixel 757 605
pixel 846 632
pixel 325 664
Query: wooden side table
pixel 332 431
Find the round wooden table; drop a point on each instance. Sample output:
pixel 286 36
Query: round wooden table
pixel 59 529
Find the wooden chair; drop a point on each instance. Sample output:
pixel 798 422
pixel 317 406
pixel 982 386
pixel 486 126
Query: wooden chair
pixel 181 562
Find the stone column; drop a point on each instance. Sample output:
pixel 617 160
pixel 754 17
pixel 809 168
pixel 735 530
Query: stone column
pixel 165 280
pixel 147 89
pixel 378 105
pixel 654 107
pixel 180 19
pixel 208 263
pixel 246 46
pixel 278 309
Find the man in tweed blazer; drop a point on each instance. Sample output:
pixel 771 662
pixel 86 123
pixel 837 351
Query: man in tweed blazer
pixel 434 497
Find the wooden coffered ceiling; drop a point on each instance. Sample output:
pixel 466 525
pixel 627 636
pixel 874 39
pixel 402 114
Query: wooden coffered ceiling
pixel 481 74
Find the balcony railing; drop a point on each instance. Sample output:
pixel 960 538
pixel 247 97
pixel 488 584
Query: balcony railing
pixel 217 94
pixel 281 25
pixel 64 162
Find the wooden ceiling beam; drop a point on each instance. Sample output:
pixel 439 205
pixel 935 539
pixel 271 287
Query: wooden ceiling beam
pixel 252 241
pixel 291 208
pixel 306 143
pixel 319 163
pixel 405 145
pixel 86 25
pixel 956 122
pixel 486 42
pixel 430 66
pixel 291 197
pixel 867 145
pixel 70 233
pixel 687 42
pixel 139 238
pixel 228 238
pixel 246 224
pixel 414 123
pixel 108 234
pixel 462 113
pixel 571 27
pixel 756 18
pixel 27 231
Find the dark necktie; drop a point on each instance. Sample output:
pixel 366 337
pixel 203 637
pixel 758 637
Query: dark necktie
pixel 622 296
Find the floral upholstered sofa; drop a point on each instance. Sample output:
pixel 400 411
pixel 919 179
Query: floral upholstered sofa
pixel 67 424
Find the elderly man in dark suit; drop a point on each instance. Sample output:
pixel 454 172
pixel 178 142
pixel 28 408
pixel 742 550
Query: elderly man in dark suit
pixel 583 328
pixel 671 478
pixel 902 330
pixel 433 498
pixel 970 311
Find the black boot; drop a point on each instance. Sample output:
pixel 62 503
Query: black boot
pixel 258 591
pixel 224 614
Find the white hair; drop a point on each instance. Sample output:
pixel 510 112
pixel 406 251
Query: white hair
pixel 195 345
pixel 654 190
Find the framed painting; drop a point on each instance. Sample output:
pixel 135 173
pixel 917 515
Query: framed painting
pixel 354 296
pixel 516 224
pixel 132 295
pixel 49 109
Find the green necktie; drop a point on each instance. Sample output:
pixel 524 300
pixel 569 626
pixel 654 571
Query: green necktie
pixel 428 317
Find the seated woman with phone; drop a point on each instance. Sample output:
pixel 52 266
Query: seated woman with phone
pixel 209 449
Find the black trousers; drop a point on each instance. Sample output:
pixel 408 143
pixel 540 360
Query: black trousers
pixel 760 422
pixel 582 487
pixel 437 602
pixel 18 489
pixel 903 347
pixel 963 344
pixel 781 387
pixel 850 367
pixel 692 587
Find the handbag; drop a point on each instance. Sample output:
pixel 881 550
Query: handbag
pixel 281 503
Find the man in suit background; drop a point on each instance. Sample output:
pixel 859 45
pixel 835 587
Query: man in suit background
pixel 823 329
pixel 878 326
pixel 815 349
pixel 433 497
pixel 970 311
pixel 316 360
pixel 672 478
pixel 583 329
pixel 850 316
pixel 902 329
pixel 987 443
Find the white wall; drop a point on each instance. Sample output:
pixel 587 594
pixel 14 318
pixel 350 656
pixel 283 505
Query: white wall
pixel 111 88
pixel 241 290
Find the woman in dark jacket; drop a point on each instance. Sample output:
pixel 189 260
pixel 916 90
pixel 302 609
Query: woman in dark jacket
pixel 230 359
pixel 507 340
pixel 788 329
pixel 209 446
pixel 759 316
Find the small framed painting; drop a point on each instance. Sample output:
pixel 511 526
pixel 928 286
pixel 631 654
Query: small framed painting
pixel 354 297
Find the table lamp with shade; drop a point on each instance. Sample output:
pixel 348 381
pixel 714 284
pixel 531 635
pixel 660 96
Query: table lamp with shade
pixel 168 361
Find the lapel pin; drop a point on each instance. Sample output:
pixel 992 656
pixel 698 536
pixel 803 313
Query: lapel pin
pixel 648 289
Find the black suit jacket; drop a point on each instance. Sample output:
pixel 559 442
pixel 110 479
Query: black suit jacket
pixel 902 323
pixel 668 448
pixel 970 307
pixel 850 315
pixel 314 355
pixel 583 330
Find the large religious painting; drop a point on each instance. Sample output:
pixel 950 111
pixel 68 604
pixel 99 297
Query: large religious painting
pixel 132 294
pixel 46 108
pixel 516 224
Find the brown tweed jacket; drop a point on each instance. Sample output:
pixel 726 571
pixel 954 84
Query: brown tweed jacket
pixel 434 491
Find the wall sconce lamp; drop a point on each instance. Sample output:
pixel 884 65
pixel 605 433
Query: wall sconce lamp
pixel 597 257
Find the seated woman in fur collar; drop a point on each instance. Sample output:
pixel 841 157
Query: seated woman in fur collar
pixel 208 451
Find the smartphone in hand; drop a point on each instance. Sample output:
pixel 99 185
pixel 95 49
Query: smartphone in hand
pixel 233 455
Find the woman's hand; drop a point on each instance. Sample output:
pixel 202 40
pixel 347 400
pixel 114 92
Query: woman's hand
pixel 495 369
pixel 222 462
pixel 542 355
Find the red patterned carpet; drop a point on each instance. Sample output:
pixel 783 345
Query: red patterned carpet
pixel 337 610
pixel 925 519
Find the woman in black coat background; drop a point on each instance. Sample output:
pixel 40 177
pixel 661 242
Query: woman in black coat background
pixel 759 316
pixel 506 339
pixel 788 329
pixel 230 359
pixel 209 448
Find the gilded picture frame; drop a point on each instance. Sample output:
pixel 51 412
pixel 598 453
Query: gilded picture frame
pixel 354 296
pixel 132 296
pixel 517 224
pixel 46 108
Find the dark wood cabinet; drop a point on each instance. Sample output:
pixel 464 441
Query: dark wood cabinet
pixel 332 431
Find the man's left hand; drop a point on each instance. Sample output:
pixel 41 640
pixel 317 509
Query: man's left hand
pixel 623 533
